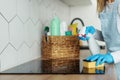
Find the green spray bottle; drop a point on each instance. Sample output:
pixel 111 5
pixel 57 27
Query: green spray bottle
pixel 55 26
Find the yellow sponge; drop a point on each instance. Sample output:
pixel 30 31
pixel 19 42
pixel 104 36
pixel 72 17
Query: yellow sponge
pixel 93 70
pixel 88 70
pixel 88 64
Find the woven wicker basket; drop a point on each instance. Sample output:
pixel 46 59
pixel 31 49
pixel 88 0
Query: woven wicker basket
pixel 60 47
pixel 60 54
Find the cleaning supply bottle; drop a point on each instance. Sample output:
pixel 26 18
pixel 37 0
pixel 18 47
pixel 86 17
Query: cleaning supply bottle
pixel 93 46
pixel 73 28
pixel 63 28
pixel 55 26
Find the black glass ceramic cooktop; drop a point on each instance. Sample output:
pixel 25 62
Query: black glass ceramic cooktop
pixel 54 66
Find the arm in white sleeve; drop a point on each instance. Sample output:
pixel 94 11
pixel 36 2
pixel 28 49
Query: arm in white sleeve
pixel 93 46
pixel 116 56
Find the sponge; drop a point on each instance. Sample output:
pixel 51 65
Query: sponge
pixel 89 64
pixel 88 70
pixel 93 70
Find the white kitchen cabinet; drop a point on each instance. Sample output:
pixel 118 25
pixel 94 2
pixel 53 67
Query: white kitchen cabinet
pixel 77 2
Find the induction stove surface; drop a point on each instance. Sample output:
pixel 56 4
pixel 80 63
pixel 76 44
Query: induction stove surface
pixel 59 66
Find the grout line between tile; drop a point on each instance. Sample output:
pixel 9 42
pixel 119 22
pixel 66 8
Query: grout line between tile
pixel 15 48
pixel 4 17
pixel 12 19
pixel 20 19
pixel 27 20
pixel 4 48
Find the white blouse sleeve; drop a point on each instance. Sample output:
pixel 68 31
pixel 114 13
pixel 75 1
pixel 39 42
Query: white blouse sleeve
pixel 116 56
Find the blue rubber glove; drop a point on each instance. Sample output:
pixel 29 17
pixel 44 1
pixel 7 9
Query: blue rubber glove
pixel 90 29
pixel 86 32
pixel 84 38
pixel 101 58
pixel 99 71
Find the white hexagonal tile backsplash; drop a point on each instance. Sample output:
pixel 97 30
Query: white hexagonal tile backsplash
pixel 23 9
pixel 8 8
pixel 22 25
pixel 24 50
pixel 29 32
pixel 9 58
pixel 16 32
pixel 4 34
pixel 34 10
pixel 38 34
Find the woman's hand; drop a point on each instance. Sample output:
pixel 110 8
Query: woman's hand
pixel 101 58
pixel 86 33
